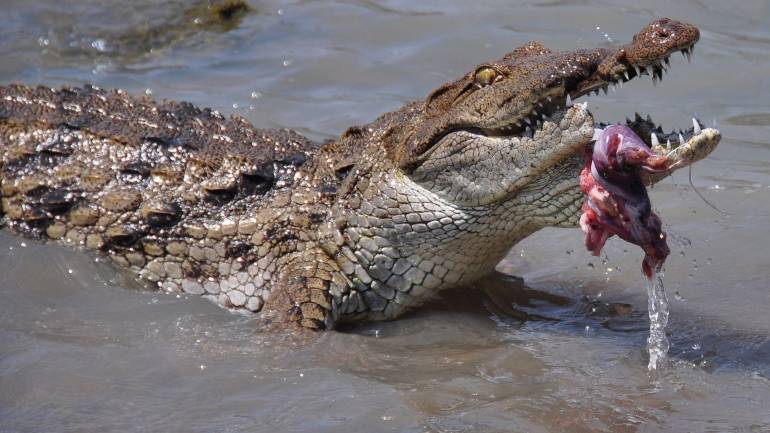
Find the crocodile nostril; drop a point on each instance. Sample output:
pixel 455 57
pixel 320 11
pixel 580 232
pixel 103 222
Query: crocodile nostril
pixel 662 33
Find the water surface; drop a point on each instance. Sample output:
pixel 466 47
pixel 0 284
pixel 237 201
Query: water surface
pixel 84 349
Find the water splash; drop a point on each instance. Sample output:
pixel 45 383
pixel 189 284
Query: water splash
pixel 657 342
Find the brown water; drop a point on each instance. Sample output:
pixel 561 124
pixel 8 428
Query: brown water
pixel 81 349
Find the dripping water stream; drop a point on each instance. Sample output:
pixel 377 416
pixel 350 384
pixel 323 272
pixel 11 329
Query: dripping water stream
pixel 657 341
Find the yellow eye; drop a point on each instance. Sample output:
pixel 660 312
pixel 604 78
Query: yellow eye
pixel 485 76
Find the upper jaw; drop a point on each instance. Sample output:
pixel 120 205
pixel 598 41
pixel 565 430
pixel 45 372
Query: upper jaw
pixel 570 75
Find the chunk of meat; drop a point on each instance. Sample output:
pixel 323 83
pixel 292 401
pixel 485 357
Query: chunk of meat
pixel 616 198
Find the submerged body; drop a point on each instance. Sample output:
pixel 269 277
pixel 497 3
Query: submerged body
pixel 425 198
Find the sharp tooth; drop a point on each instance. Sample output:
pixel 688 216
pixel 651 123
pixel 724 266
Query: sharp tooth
pixel 681 139
pixel 549 99
pixel 569 101
pixel 518 123
pixel 620 83
pixel 695 126
pixel 584 105
pixel 654 79
pixel 688 54
pixel 625 74
pixel 614 88
pixel 604 89
pixel 692 49
pixel 668 63
pixel 654 139
pixel 539 104
pixel 668 145
pixel 527 121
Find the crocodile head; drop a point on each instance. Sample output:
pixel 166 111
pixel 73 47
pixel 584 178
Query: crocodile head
pixel 490 158
pixel 509 122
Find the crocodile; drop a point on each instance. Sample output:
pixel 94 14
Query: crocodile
pixel 309 235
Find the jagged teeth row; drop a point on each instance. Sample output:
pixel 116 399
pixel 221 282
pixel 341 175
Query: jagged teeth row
pixel 536 118
pixel 656 70
pixel 696 129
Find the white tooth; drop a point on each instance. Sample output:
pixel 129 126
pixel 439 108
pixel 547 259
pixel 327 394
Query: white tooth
pixel 549 99
pixel 597 133
pixel 569 101
pixel 668 145
pixel 654 80
pixel 614 88
pixel 620 83
pixel 518 123
pixel 688 54
pixel 681 139
pixel 526 120
pixel 527 129
pixel 604 89
pixel 539 104
pixel 584 105
pixel 695 127
pixel 625 74
pixel 654 139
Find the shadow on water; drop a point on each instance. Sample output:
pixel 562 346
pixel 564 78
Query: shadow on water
pixel 504 302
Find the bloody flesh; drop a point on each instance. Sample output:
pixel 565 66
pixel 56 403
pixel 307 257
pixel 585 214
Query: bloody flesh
pixel 616 198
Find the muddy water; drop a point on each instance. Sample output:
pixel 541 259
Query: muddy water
pixel 82 349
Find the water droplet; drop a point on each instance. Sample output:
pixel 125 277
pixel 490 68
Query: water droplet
pixel 280 11
pixel 148 91
pixel 23 245
pixel 679 297
pixel 99 45
pixel 696 346
pixel 302 375
pixel 286 62
pixel 255 95
pixel 43 42
pixel 70 271
pixel 202 367
pixel 235 106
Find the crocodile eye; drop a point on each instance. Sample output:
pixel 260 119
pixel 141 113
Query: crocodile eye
pixel 485 76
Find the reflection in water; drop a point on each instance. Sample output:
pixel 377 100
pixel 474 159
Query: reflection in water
pixel 563 350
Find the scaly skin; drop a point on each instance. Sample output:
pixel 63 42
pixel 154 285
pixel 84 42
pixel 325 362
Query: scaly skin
pixel 424 198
